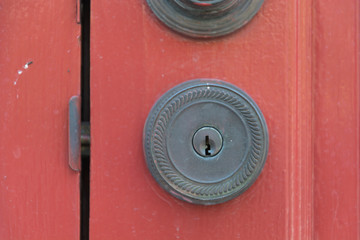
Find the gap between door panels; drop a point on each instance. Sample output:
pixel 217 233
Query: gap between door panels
pixel 85 117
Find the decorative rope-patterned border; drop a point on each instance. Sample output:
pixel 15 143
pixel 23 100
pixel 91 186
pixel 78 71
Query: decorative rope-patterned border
pixel 238 181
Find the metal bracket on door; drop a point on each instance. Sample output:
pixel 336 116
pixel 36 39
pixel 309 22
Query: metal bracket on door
pixel 79 134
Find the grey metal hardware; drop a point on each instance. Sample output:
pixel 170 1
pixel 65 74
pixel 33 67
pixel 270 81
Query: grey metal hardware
pixel 79 134
pixel 205 141
pixel 205 18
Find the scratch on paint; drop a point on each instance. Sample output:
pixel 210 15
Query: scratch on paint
pixel 147 219
pixel 158 194
pixel 335 211
pixel 133 230
pixel 177 235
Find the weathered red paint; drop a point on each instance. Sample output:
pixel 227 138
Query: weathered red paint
pixel 336 120
pixel 299 62
pixel 39 193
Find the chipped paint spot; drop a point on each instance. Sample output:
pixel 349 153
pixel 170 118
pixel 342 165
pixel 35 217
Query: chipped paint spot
pixel 26 66
pixel 19 72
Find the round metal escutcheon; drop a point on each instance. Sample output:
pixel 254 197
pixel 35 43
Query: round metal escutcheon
pixel 205 141
pixel 205 18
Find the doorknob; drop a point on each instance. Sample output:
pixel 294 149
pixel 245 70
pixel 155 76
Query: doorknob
pixel 205 18
pixel 205 141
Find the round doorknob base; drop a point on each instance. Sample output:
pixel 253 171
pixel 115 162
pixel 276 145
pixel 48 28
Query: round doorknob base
pixel 205 18
pixel 205 141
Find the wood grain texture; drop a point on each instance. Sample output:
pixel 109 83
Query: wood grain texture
pixel 298 64
pixel 39 71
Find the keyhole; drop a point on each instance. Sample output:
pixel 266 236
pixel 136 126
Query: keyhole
pixel 207 142
pixel 208 146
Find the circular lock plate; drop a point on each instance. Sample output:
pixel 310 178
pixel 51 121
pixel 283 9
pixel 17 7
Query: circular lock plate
pixel 205 141
pixel 205 18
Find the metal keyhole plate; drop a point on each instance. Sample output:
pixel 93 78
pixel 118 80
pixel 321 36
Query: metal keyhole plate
pixel 205 18
pixel 205 141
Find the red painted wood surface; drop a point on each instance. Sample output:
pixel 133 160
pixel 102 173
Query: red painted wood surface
pixel 336 120
pixel 39 72
pixel 298 59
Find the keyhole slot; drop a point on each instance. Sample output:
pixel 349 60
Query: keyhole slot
pixel 207 142
pixel 207 146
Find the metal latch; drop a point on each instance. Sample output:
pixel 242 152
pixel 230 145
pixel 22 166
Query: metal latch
pixel 79 134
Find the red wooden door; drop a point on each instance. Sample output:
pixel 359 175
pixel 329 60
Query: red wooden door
pixel 299 60
pixel 39 72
